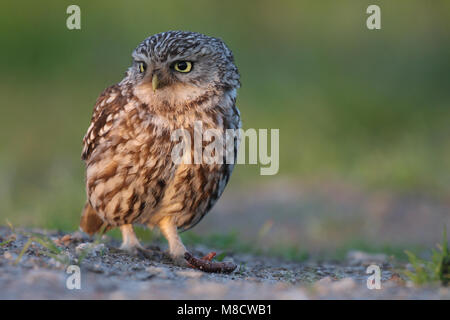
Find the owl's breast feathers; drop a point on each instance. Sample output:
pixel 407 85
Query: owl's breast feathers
pixel 130 176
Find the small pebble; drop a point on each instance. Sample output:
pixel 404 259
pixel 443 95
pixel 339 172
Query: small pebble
pixel 8 255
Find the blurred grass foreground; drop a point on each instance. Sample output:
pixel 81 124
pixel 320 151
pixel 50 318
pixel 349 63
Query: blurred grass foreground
pixel 363 115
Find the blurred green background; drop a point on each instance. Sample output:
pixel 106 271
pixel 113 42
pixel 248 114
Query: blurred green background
pixel 369 109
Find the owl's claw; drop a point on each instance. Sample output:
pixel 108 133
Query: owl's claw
pixel 205 264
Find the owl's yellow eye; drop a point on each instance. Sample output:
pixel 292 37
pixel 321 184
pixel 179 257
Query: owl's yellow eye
pixel 183 66
pixel 142 67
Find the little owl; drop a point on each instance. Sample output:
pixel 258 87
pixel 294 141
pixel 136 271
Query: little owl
pixel 176 79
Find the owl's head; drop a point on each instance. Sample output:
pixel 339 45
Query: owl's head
pixel 172 62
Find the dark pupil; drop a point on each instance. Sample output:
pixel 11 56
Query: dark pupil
pixel 182 65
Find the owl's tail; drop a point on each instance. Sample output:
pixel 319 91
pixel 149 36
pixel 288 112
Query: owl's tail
pixel 91 222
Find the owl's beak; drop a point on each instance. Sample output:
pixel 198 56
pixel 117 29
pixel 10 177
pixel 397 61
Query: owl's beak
pixel 155 82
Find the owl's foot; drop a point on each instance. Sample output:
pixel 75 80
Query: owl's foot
pixel 179 261
pixel 205 264
pixel 131 244
pixel 183 258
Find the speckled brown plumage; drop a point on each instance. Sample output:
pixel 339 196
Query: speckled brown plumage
pixel 130 174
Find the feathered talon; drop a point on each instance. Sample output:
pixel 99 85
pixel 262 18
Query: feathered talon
pixel 205 264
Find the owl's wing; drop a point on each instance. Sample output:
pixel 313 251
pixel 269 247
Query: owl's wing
pixel 108 104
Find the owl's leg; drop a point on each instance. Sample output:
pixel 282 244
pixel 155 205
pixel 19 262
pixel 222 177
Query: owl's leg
pixel 183 258
pixel 130 242
pixel 176 247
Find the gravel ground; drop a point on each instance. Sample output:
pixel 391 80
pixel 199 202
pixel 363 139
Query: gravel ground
pixel 108 273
